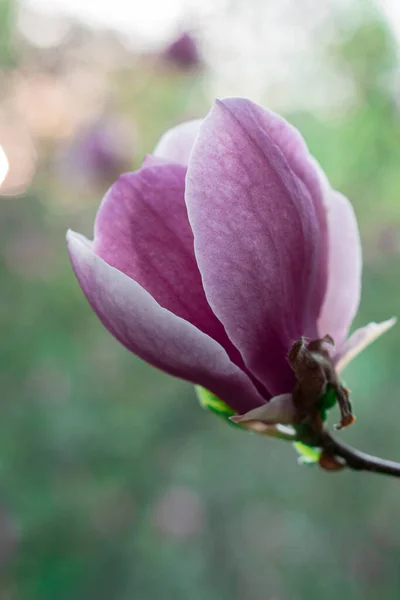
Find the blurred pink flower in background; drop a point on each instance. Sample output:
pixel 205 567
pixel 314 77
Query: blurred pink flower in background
pixel 98 153
pixel 29 254
pixel 183 52
pixel 9 537
pixel 179 512
pixel 227 246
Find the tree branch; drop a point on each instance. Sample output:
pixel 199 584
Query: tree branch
pixel 356 460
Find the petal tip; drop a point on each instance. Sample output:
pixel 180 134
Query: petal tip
pixel 360 339
pixel 74 239
pixel 279 409
pixel 235 418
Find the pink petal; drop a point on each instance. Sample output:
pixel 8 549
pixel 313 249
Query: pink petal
pixel 155 334
pixel 279 409
pixel 360 339
pixel 142 229
pixel 154 161
pixel 344 267
pixel 291 143
pixel 176 144
pixel 344 247
pixel 258 242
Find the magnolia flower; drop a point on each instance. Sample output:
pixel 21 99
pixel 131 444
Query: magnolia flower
pixel 183 52
pixel 223 256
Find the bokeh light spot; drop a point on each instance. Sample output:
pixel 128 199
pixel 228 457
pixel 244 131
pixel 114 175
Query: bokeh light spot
pixel 4 165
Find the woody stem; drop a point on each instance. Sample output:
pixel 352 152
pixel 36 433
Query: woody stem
pixel 356 460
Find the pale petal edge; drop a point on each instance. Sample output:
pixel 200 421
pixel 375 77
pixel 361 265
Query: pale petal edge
pixel 175 145
pixel 359 340
pixel 280 409
pixel 343 291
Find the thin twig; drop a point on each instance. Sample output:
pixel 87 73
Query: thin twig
pixel 356 460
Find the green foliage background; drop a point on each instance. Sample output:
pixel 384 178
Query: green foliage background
pixel 94 443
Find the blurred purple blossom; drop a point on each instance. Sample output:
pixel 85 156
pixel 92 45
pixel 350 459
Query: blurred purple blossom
pixel 179 512
pixel 98 153
pixel 183 52
pixel 9 537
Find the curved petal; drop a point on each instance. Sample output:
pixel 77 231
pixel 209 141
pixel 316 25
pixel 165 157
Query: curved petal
pixel 142 229
pixel 360 339
pixel 344 247
pixel 155 334
pixel 280 409
pixel 291 143
pixel 344 267
pixel 258 242
pixel 176 144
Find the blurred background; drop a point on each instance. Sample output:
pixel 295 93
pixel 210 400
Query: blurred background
pixel 114 483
